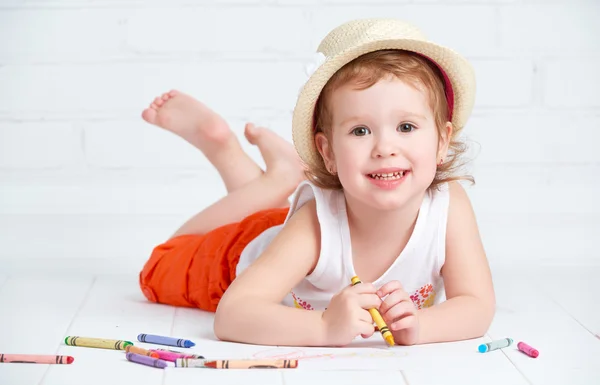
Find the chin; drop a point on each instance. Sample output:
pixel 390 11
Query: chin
pixel 387 204
pixel 381 198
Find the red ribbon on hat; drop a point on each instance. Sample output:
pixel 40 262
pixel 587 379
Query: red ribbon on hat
pixel 448 90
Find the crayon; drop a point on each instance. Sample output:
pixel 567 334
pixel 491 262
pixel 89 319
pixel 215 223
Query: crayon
pixel 498 344
pixel 141 351
pixel 145 360
pixel 381 325
pixel 183 355
pixel 162 340
pixel 97 343
pixel 36 359
pixel 531 352
pixel 251 364
pixel 168 356
pixel 190 363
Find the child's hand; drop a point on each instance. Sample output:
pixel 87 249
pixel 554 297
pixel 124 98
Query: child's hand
pixel 347 316
pixel 399 313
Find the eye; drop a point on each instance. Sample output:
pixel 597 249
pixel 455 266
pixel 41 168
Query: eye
pixel 360 131
pixel 406 127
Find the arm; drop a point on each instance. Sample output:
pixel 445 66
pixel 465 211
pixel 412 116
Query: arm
pixel 251 310
pixel 470 305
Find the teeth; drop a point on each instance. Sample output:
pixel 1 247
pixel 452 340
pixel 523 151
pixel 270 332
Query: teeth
pixel 390 175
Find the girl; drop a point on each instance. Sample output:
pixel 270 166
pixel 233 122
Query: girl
pixel 376 127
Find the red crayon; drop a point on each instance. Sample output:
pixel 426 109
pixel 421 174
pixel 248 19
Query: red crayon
pixel 531 352
pixel 35 359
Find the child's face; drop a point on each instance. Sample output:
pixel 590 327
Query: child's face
pixel 388 128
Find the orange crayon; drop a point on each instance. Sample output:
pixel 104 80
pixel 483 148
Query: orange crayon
pixel 142 351
pixel 252 364
pixel 36 359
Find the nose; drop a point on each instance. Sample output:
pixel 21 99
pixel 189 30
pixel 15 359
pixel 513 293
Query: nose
pixel 384 147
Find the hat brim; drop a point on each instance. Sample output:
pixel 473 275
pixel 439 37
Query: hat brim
pixel 457 69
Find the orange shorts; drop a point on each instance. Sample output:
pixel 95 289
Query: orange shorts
pixel 195 270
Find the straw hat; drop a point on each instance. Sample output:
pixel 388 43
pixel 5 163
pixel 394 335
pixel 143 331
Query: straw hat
pixel 355 38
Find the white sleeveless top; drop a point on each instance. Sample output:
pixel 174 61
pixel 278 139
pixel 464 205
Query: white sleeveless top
pixel 417 267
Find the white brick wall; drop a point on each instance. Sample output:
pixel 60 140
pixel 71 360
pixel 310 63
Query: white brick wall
pixel 86 184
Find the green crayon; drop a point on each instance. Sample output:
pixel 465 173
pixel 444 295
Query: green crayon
pixel 498 344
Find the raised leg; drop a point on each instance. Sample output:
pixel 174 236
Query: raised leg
pixel 270 190
pixel 206 130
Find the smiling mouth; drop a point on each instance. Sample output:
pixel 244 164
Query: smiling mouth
pixel 389 175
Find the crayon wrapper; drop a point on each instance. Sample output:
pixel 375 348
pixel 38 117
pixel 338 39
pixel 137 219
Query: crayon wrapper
pixel 34 359
pixel 167 356
pixel 142 351
pixel 97 343
pixel 253 364
pixel 189 363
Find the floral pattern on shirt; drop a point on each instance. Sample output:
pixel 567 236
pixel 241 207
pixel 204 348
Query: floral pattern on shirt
pixel 424 297
pixel 300 303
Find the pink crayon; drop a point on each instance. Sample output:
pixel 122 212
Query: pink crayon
pixel 167 356
pixel 531 352
pixel 181 354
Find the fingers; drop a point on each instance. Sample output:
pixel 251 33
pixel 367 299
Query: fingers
pixel 363 288
pixel 365 316
pixel 369 301
pixel 389 288
pixel 400 312
pixel 366 329
pixel 404 323
pixel 397 296
pixel 365 295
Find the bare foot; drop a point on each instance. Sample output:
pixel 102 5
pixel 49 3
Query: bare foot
pixel 190 119
pixel 206 130
pixel 281 159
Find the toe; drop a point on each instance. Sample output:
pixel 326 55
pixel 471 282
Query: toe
pixel 149 115
pixel 158 102
pixel 165 96
pixel 250 132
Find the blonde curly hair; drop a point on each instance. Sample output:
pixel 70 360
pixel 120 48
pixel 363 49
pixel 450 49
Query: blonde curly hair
pixel 365 71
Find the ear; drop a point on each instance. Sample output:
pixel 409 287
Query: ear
pixel 444 142
pixel 325 150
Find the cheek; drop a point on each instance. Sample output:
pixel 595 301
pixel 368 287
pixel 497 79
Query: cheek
pixel 426 157
pixel 347 159
pixel 340 151
pixel 425 166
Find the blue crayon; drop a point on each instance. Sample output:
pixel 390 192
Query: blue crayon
pixel 498 344
pixel 169 341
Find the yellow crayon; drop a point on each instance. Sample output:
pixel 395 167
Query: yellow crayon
pixel 97 343
pixel 383 328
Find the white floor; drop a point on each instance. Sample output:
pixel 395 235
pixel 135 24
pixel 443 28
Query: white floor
pixel 555 310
